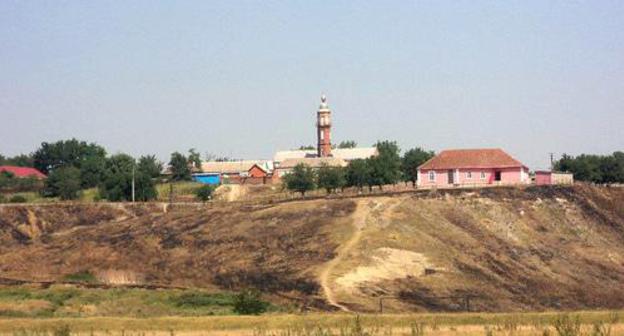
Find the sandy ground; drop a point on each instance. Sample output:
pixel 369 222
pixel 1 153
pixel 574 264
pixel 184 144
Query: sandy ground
pixel 359 221
pixel 387 264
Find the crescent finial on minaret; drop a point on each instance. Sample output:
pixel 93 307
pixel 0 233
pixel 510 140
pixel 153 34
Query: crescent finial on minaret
pixel 323 98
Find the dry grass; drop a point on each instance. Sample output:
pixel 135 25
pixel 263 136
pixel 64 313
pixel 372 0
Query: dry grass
pixel 293 325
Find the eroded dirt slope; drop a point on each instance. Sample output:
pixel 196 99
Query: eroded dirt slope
pixel 511 249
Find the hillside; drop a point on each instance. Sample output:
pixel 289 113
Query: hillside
pixel 510 249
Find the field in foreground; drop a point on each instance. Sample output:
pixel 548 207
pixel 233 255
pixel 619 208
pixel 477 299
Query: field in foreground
pixel 545 323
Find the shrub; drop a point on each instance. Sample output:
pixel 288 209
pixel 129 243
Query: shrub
pixel 17 199
pixel 204 193
pixel 567 326
pixel 248 302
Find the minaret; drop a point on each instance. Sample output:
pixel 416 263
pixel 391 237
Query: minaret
pixel 323 128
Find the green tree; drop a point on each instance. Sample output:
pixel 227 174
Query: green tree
pixel 180 170
pixel 149 165
pixel 385 168
pixel 92 171
pixel 594 168
pixel 117 183
pixel 65 153
pixel 347 144
pixel 204 192
pixel 411 160
pixel 307 147
pixel 194 159
pixel 249 302
pixel 358 173
pixel 6 179
pixel 21 160
pixel 63 182
pixel 301 179
pixel 145 190
pixel 330 178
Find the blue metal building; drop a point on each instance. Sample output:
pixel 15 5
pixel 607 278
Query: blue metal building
pixel 207 178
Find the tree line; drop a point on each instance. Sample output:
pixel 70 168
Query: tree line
pixel 388 167
pixel 73 165
pixel 594 168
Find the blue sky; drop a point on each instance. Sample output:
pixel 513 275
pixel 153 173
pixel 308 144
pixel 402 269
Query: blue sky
pixel 243 78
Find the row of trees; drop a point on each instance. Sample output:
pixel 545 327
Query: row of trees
pixel 341 145
pixel 594 168
pixel 388 167
pixel 21 160
pixel 73 165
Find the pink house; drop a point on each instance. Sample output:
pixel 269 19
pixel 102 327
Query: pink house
pixel 472 167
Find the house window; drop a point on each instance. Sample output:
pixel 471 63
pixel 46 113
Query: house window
pixel 431 176
pixel 483 175
pixel 468 175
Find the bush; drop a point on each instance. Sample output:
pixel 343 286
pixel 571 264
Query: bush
pixel 17 199
pixel 248 302
pixel 568 326
pixel 2 198
pixel 204 193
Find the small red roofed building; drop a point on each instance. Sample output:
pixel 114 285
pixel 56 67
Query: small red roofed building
pixel 472 167
pixel 23 172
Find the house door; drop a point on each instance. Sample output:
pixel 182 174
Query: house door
pixel 497 175
pixel 451 175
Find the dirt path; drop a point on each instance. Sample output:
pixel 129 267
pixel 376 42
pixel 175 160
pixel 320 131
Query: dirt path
pixel 360 217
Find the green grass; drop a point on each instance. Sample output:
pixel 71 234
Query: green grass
pixel 71 301
pixel 84 276
pixel 30 196
pixel 89 195
pixel 182 188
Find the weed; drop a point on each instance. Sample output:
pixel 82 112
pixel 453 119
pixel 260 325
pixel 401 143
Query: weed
pixel 248 302
pixel 417 329
pixel 62 330
pixel 568 326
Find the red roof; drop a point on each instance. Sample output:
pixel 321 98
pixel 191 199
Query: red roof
pixel 23 171
pixel 472 158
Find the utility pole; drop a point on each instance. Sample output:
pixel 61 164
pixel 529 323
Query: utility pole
pixel 552 161
pixel 133 174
